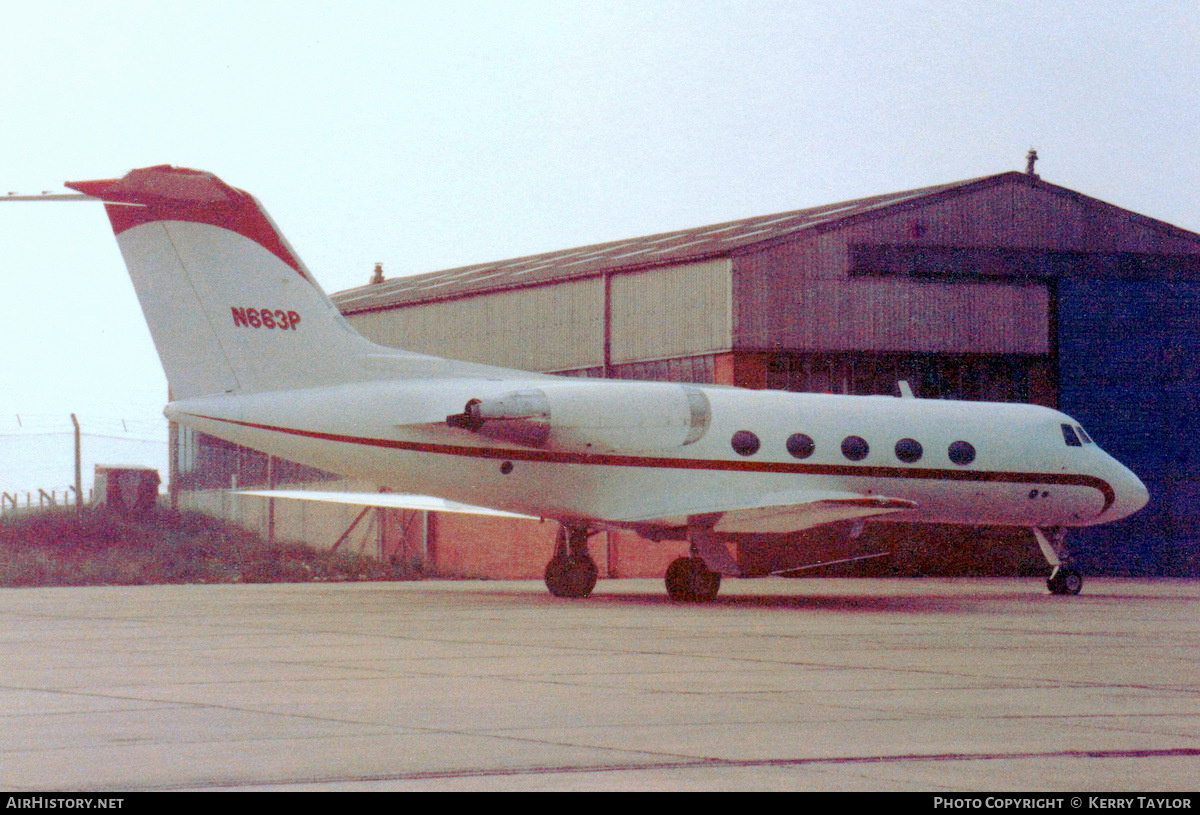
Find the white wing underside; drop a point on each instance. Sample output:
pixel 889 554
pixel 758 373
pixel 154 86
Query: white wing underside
pixel 789 512
pixel 386 500
pixel 781 513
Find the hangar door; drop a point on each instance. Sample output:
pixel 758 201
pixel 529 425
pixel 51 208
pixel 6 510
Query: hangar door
pixel 1129 370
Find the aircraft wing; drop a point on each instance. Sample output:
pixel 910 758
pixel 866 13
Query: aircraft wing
pixel 788 512
pixel 387 500
pixel 778 513
pixel 795 516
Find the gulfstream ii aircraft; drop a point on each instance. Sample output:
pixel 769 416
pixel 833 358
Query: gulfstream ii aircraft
pixel 255 353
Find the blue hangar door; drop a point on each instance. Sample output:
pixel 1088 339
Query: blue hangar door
pixel 1129 371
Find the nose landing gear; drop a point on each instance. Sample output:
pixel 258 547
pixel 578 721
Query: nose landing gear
pixel 1064 579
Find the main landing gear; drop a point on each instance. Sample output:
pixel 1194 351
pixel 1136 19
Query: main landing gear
pixel 689 580
pixel 1064 579
pixel 697 577
pixel 571 572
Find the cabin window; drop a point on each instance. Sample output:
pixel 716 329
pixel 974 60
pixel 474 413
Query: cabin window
pixel 1083 435
pixel 961 453
pixel 745 443
pixel 800 445
pixel 855 448
pixel 1069 436
pixel 909 450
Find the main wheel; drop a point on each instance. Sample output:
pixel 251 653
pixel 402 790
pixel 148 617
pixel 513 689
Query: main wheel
pixel 1065 581
pixel 705 583
pixel 571 577
pixel 678 579
pixel 689 580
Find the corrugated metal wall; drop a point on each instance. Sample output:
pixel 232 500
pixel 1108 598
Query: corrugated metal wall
pixel 1020 215
pixel 803 295
pixel 318 524
pixel 669 312
pixel 543 328
pixel 675 311
pixel 900 315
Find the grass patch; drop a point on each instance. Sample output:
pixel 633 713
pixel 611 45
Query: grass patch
pixel 105 549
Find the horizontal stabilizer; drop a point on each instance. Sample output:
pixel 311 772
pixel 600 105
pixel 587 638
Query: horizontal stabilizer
pixel 387 500
pixel 49 196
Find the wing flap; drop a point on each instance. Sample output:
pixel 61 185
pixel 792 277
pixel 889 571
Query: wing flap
pixel 781 512
pixel 794 517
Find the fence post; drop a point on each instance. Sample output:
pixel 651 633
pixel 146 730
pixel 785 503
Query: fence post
pixel 271 501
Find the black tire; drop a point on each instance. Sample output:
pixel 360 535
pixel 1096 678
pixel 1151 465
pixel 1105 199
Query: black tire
pixel 555 571
pixel 678 579
pixel 705 583
pixel 689 580
pixel 1065 581
pixel 584 575
pixel 571 577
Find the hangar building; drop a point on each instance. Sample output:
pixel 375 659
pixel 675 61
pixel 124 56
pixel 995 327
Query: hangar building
pixel 1002 288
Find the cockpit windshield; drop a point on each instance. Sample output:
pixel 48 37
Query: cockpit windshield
pixel 1075 436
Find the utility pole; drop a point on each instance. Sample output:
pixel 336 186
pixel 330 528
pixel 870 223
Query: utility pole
pixel 78 472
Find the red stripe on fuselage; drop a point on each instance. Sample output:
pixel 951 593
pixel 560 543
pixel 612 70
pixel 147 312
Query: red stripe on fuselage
pixel 615 460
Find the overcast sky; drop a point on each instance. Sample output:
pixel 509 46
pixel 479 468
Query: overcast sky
pixel 432 135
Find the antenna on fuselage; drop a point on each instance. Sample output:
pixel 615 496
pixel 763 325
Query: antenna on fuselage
pixel 905 391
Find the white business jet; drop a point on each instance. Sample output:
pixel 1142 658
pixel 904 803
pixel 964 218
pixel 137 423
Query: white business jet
pixel 255 353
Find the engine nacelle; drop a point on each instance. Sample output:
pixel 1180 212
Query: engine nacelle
pixel 591 416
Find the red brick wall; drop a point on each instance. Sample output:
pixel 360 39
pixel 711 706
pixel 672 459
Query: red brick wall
pixel 501 548
pixel 633 556
pixel 750 370
pixel 504 549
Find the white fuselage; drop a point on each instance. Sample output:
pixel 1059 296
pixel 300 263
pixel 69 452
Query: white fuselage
pixel 1023 472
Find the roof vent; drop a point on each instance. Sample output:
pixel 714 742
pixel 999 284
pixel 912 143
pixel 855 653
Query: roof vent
pixel 1030 159
pixel 377 277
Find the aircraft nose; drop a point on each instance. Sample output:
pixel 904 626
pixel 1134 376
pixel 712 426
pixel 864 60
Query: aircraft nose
pixel 1131 496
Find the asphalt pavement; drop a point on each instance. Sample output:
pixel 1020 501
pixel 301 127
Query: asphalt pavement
pixel 811 684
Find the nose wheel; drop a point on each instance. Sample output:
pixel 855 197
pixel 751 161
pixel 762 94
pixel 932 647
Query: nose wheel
pixel 571 572
pixel 1064 579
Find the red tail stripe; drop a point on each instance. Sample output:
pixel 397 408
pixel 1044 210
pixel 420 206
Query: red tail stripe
pixel 167 193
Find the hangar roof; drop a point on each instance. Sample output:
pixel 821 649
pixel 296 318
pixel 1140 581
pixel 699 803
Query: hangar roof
pixel 684 245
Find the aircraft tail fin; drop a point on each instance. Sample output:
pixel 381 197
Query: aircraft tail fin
pixel 229 304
